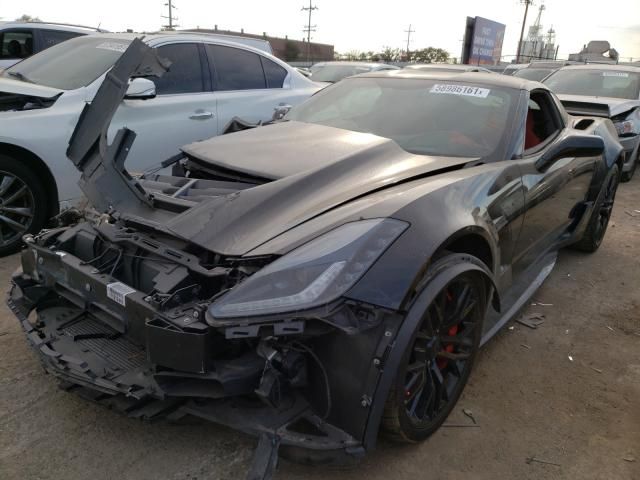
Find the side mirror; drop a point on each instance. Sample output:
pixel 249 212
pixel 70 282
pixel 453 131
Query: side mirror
pixel 571 146
pixel 141 88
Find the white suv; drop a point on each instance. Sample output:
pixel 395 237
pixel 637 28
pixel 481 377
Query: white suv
pixel 209 82
pixel 20 40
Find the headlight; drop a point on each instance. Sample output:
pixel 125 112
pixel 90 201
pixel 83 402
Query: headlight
pixel 626 127
pixel 313 274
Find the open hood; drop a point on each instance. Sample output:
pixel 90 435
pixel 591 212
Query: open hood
pixel 19 87
pixel 597 106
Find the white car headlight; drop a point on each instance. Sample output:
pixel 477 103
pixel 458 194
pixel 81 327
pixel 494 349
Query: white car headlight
pixel 629 125
pixel 313 274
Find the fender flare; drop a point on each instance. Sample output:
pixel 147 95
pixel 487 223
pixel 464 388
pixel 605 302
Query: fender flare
pixel 439 274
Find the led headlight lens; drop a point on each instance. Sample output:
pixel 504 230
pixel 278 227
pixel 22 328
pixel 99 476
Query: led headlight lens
pixel 313 274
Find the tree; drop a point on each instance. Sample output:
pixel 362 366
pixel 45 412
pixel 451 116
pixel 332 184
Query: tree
pixel 28 18
pixel 389 54
pixel 291 51
pixel 429 55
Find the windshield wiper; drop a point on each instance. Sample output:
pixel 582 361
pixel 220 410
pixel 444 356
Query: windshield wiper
pixel 20 76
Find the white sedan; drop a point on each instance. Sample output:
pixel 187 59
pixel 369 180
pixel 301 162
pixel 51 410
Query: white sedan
pixel 209 82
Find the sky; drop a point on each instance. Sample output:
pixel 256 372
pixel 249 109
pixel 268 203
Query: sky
pixel 358 24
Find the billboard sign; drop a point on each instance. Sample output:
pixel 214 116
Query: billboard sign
pixel 483 41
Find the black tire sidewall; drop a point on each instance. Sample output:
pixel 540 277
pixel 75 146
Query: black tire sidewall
pixel 40 199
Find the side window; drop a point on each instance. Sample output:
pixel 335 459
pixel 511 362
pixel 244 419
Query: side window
pixel 543 120
pixel 53 37
pixel 236 69
pixel 274 73
pixel 185 74
pixel 16 44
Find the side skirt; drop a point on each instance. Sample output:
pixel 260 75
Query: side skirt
pixel 520 293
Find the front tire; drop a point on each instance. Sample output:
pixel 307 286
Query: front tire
pixel 599 221
pixel 438 361
pixel 627 176
pixel 23 204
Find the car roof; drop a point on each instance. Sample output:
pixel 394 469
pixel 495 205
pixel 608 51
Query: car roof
pixel 156 38
pixel 480 78
pixel 451 66
pixel 63 27
pixel 356 64
pixel 602 66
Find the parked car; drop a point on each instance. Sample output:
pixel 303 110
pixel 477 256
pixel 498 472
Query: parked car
pixel 210 82
pixel 537 70
pixel 20 40
pixel 446 67
pixel 314 280
pixel 513 68
pixel 610 91
pixel 332 72
pixel 259 43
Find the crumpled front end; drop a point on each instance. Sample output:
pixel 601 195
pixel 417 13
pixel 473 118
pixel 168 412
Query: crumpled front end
pixel 121 316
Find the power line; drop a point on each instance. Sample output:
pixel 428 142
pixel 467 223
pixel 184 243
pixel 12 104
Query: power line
pixel 408 32
pixel 309 28
pixel 171 18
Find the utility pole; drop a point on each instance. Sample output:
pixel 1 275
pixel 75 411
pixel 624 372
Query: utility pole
pixel 524 21
pixel 408 32
pixel 171 18
pixel 309 28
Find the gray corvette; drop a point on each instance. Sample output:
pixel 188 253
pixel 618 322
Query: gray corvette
pixel 318 280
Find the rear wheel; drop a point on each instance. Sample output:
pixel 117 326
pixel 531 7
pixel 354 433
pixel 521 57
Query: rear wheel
pixel 23 204
pixel 599 221
pixel 438 361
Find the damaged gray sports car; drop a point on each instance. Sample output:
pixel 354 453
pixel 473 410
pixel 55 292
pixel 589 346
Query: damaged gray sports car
pixel 314 281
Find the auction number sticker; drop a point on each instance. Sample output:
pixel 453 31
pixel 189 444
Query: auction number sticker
pixel 114 46
pixel 615 74
pixel 118 292
pixel 461 90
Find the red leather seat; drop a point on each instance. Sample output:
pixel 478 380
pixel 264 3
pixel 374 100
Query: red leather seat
pixel 530 137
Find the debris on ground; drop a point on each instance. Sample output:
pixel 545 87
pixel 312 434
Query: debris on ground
pixel 530 460
pixel 469 414
pixel 570 358
pixel 525 346
pixel 630 213
pixel 629 459
pixel 2 334
pixel 531 320
pixel 596 369
pixel 610 328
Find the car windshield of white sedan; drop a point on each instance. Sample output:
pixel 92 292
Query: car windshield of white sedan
pixel 71 64
pixel 595 83
pixel 425 117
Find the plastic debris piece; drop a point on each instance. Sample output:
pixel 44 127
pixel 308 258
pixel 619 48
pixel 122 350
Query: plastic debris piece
pixel 538 460
pixel 596 369
pixel 570 358
pixel 525 346
pixel 532 320
pixel 469 414
pixel 511 327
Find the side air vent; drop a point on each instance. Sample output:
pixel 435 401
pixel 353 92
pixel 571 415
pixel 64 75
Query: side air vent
pixel 583 124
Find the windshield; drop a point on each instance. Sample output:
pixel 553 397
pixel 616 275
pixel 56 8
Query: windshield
pixel 427 117
pixel 595 83
pixel 71 64
pixel 536 74
pixel 334 73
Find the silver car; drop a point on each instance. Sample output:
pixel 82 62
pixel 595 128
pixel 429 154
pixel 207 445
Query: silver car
pixel 611 91
pixel 332 72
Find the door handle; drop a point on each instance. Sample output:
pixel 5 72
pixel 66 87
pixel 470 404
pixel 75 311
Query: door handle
pixel 201 115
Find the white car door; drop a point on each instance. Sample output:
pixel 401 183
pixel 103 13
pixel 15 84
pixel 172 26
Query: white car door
pixel 248 85
pixel 183 111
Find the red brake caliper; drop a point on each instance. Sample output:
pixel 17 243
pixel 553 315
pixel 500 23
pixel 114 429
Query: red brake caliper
pixel 443 362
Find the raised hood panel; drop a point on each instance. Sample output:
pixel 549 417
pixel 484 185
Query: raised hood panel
pixel 597 106
pixel 18 87
pixel 344 169
pixel 283 149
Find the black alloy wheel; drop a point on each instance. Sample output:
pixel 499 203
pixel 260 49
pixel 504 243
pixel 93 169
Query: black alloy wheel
pixel 438 361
